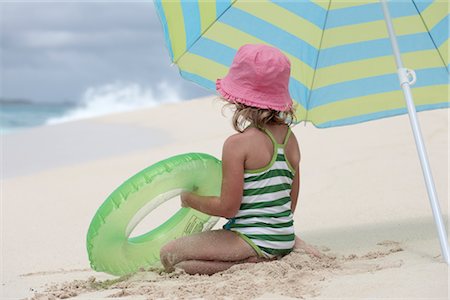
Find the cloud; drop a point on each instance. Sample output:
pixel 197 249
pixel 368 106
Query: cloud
pixel 53 51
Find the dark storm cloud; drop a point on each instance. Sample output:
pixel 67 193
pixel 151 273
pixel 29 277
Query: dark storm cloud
pixel 53 51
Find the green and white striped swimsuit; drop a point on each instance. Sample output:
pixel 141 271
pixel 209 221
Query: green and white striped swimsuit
pixel 264 218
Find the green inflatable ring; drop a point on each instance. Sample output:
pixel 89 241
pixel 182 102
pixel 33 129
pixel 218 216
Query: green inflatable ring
pixel 109 247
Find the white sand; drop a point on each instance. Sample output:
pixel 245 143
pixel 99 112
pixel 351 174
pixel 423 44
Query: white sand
pixel 362 201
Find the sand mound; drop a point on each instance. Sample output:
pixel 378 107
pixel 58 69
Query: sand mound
pixel 296 275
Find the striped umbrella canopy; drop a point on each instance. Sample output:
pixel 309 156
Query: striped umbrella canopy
pixel 342 68
pixel 345 57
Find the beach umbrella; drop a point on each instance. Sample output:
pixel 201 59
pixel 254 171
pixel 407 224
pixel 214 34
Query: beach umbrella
pixel 347 57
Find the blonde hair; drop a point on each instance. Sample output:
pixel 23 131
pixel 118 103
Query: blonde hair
pixel 245 116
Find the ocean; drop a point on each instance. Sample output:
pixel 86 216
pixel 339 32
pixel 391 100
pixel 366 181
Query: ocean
pixel 17 115
pixel 21 114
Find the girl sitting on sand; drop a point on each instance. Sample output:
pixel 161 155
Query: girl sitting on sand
pixel 260 167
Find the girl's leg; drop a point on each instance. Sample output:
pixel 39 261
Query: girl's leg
pixel 210 267
pixel 206 267
pixel 207 252
pixel 301 244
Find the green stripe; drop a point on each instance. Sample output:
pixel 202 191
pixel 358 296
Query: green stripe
pixel 272 237
pixel 277 202
pixel 267 189
pixel 280 157
pixel 270 174
pixel 276 251
pixel 285 213
pixel 261 224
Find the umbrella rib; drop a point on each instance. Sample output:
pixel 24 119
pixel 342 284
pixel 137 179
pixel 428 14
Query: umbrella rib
pixel 317 60
pixel 428 31
pixel 201 34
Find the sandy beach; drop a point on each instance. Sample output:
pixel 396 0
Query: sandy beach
pixel 362 202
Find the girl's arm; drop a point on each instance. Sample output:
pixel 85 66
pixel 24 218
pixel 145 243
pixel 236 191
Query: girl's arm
pixel 229 201
pixel 295 189
pixel 296 180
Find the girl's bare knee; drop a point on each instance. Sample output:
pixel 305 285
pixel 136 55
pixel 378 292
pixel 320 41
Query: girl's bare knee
pixel 168 256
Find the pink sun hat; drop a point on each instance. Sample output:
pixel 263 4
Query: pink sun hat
pixel 258 77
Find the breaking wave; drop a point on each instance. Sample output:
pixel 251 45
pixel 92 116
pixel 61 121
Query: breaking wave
pixel 117 97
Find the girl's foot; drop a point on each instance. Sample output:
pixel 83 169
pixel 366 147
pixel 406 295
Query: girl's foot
pixel 300 244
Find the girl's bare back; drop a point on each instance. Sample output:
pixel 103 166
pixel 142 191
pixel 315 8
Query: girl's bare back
pixel 260 150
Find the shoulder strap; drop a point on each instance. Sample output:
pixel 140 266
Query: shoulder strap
pixel 288 134
pixel 286 138
pixel 272 138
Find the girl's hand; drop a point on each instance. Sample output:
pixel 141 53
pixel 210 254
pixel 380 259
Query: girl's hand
pixel 184 197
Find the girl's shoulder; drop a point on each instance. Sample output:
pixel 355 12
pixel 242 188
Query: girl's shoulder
pixel 248 136
pixel 253 136
pixel 251 131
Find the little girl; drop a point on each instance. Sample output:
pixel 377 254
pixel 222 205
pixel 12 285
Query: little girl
pixel 260 167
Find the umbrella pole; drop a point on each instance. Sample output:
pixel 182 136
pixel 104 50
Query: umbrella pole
pixel 405 83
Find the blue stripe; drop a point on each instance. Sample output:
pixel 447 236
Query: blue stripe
pixel 192 26
pixel 215 51
pixel 380 115
pixel 374 85
pixel 368 13
pixel 440 31
pixel 221 6
pixel 306 10
pixel 374 48
pixel 422 4
pixel 298 91
pixel 163 21
pixel 203 82
pixel 354 15
pixel 271 34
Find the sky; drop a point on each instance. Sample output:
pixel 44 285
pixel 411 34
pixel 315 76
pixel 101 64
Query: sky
pixel 57 51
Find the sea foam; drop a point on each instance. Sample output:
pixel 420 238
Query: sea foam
pixel 118 97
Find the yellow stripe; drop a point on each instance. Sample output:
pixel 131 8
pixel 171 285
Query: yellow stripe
pixel 300 112
pixel 435 12
pixel 234 38
pixel 375 67
pixel 321 3
pixel 283 19
pixel 175 23
pixel 422 59
pixel 202 66
pixel 337 4
pixel 207 13
pixel 443 49
pixel 359 32
pixel 376 103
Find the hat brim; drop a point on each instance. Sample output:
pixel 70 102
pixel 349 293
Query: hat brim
pixel 224 91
